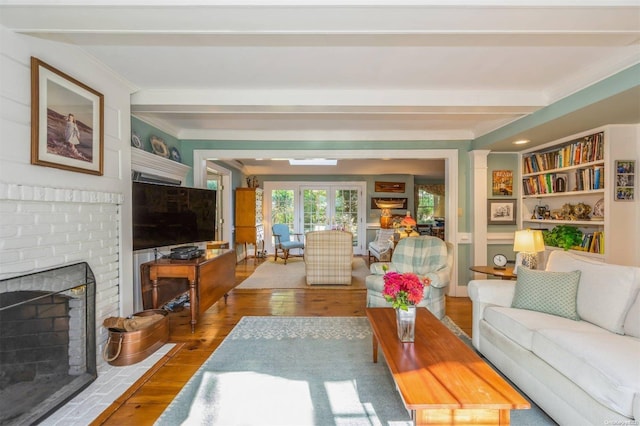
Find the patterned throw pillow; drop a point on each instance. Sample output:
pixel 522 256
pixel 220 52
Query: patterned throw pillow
pixel 549 292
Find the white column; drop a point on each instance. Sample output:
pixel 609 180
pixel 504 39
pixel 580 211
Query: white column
pixel 479 196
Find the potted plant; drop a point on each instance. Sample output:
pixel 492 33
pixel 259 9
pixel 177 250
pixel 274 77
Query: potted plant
pixel 564 236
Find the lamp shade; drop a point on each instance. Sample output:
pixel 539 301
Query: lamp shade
pixel 408 221
pixel 528 241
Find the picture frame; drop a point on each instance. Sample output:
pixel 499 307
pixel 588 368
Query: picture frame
pixel 67 121
pixel 502 183
pixel 625 180
pixel 501 211
pixel 398 203
pixel 389 187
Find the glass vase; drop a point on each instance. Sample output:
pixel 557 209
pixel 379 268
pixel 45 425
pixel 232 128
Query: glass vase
pixel 406 323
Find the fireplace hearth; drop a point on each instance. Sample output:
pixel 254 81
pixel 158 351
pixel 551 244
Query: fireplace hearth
pixel 47 341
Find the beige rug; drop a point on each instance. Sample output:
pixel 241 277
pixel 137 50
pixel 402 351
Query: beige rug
pixel 292 276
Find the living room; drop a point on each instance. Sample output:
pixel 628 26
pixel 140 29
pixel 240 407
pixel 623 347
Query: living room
pixel 396 114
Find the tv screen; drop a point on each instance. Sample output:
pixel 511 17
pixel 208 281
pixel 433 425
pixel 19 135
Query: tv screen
pixel 165 215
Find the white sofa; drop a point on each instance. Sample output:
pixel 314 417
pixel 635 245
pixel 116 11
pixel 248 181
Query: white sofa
pixel 580 372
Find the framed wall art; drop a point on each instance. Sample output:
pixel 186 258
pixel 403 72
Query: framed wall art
pixel 625 180
pixel 390 203
pixel 501 212
pixel 389 186
pixel 67 121
pixel 502 182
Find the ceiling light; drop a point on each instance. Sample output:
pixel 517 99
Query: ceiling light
pixel 522 142
pixel 313 162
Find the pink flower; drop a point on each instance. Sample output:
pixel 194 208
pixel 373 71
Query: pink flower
pixel 404 289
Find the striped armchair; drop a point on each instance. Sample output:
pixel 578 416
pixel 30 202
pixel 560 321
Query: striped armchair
pixel 425 256
pixel 328 256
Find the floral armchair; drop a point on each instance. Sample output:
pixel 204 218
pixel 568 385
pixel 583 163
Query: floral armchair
pixel 425 256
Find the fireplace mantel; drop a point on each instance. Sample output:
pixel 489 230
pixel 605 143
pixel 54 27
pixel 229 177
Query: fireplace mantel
pixel 148 163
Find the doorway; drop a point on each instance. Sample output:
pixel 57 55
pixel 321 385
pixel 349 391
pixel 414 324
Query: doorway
pixel 450 157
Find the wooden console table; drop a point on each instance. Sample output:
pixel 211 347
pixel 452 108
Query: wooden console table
pixel 207 278
pixel 441 380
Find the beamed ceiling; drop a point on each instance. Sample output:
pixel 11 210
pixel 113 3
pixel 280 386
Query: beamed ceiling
pixel 308 72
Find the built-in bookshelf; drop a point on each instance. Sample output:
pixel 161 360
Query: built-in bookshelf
pixel 571 181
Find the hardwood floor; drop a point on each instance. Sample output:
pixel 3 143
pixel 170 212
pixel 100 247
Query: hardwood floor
pixel 143 403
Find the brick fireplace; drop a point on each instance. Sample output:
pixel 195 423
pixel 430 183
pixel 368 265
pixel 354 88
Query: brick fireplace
pixel 45 228
pixel 47 341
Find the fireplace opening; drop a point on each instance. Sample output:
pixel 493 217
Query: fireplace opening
pixel 47 341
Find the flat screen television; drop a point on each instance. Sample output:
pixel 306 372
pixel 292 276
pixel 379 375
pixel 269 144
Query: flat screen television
pixel 166 215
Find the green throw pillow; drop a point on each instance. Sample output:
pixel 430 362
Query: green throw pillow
pixel 547 291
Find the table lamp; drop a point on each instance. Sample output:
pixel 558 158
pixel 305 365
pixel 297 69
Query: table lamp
pixel 409 223
pixel 386 218
pixel 528 243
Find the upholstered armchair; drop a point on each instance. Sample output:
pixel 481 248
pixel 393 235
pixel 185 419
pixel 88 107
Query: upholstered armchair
pixel 425 256
pixel 382 247
pixel 284 242
pixel 328 257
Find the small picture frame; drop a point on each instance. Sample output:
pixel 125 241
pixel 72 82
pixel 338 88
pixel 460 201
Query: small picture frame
pixel 625 172
pixel 67 121
pixel 501 212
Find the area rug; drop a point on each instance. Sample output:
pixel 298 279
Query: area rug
pixel 292 276
pixel 295 371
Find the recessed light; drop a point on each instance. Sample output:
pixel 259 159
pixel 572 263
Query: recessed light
pixel 522 142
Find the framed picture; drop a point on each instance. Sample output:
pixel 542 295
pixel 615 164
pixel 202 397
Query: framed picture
pixel 501 212
pixel 625 180
pixel 390 203
pixel 389 186
pixel 67 121
pixel 502 182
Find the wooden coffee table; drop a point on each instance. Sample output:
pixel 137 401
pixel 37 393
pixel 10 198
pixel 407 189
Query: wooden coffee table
pixel 441 380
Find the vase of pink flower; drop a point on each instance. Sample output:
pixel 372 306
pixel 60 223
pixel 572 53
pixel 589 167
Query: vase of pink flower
pixel 404 292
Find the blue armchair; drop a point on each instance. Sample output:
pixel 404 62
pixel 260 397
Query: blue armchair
pixel 283 241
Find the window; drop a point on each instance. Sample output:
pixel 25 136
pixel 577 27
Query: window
pixel 282 207
pixel 425 207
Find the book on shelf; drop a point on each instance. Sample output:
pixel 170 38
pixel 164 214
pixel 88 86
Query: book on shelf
pixel 593 242
pixel 548 183
pixel 584 150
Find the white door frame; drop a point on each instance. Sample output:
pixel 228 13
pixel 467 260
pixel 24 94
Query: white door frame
pixel 200 181
pixel 450 157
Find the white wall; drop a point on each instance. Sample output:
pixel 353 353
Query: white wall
pixel 40 207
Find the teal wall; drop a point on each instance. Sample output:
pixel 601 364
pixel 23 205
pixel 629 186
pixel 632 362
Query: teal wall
pixel 145 131
pixel 502 161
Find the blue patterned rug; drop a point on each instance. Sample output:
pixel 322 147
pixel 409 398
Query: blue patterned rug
pixel 294 371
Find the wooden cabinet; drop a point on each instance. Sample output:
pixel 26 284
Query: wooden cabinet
pixel 571 181
pixel 207 279
pixel 249 227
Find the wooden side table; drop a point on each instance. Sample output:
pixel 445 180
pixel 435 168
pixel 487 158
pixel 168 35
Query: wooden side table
pixel 208 279
pixel 505 274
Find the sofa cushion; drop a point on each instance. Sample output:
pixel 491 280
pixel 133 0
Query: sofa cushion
pixel 520 324
pixel 606 291
pixel 632 320
pixel 549 292
pixel 605 365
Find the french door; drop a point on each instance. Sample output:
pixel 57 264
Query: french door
pixel 318 206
